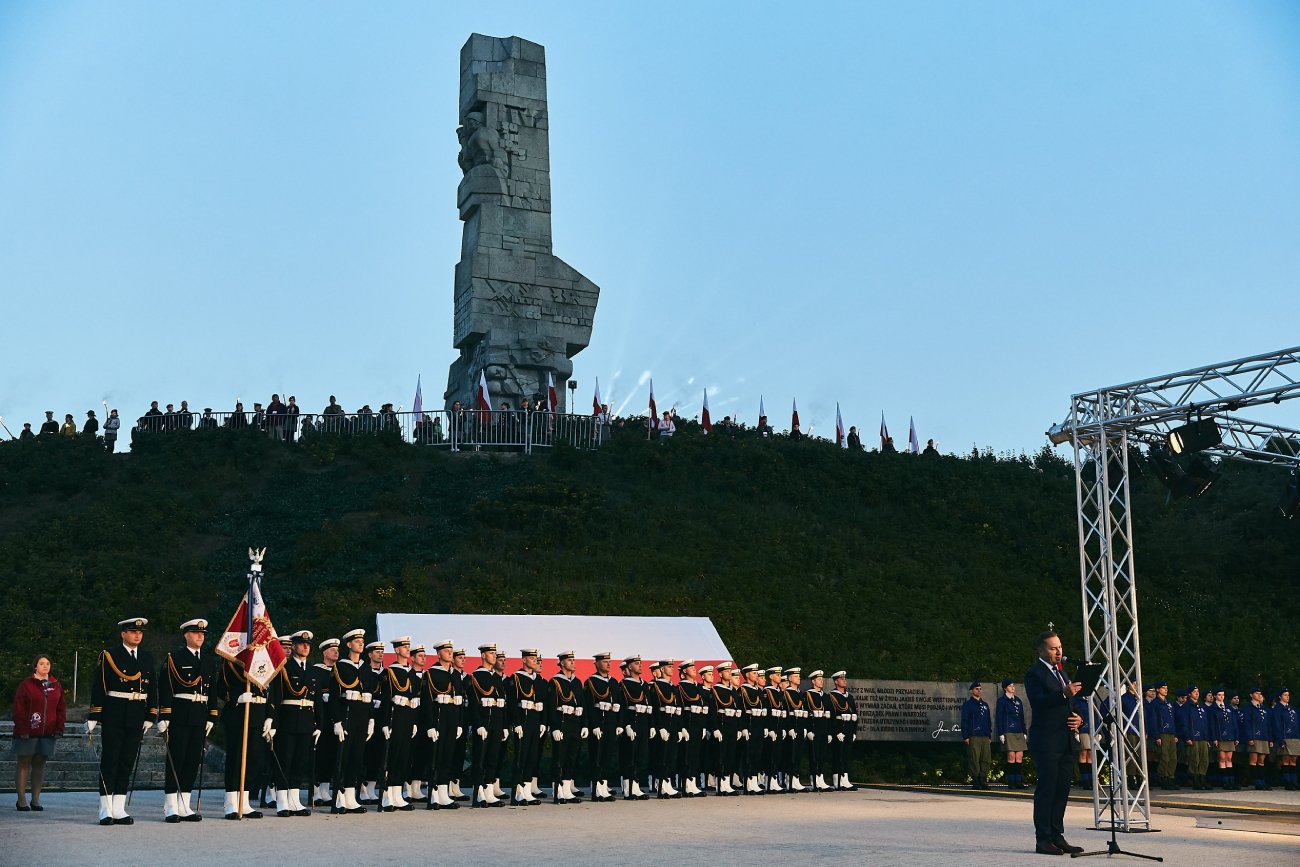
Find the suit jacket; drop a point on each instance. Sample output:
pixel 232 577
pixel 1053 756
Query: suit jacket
pixel 1048 734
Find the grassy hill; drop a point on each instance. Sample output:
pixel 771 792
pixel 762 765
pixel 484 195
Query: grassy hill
pixel 887 565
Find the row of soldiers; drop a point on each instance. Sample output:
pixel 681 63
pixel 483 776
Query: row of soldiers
pixel 352 732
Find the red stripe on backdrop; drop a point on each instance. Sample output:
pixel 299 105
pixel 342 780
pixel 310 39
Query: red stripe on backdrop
pixel 551 666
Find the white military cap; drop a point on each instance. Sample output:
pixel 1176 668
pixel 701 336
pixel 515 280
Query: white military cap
pixel 133 623
pixel 327 643
pixel 353 633
pixel 198 624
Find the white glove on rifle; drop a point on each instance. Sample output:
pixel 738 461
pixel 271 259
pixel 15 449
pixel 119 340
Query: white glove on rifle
pixel 315 737
pixel 415 729
pixel 584 733
pixel 541 730
pixel 598 733
pixel 557 735
pixel 91 723
pixel 663 734
pixel 244 698
pixel 388 732
pixel 267 731
pixel 740 735
pixel 370 729
pixel 162 727
pixel 207 728
pixel 148 724
pixel 631 733
pixel 519 732
pixel 840 737
pixel 481 732
pixel 433 734
pixel 460 731
pixel 717 734
pixel 505 735
pixel 338 730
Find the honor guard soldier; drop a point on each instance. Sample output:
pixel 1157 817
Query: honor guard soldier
pixel 420 746
pixel 666 722
pixel 691 732
pixel 602 714
pixel 815 703
pixel 295 733
pixel 265 783
pixel 977 730
pixel 185 717
pixel 634 731
pixel 568 728
pixel 844 719
pixel 1196 736
pixel 374 753
pixel 441 707
pixel 774 749
pixel 713 721
pixel 1012 733
pixel 463 737
pixel 797 728
pixel 754 710
pixel 398 711
pixel 326 750
pixel 737 734
pixel 243 700
pixel 1284 729
pixel 487 725
pixel 727 732
pixel 526 713
pixel 123 704
pixel 351 701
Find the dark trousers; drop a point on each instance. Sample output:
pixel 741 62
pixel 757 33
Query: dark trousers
pixel 485 759
pixel 399 754
pixel 294 754
pixel 1055 773
pixel 448 752
pixel 233 725
pixel 120 745
pixel 350 758
pixel 565 753
pixel 602 752
pixel 325 756
pixel 421 751
pixel 185 750
pixel 633 755
pixel 794 751
pixel 528 749
pixel 373 755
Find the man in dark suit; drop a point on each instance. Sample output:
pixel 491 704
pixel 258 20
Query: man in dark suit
pixel 1051 741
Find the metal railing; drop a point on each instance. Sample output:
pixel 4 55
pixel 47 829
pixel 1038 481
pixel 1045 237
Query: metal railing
pixel 464 430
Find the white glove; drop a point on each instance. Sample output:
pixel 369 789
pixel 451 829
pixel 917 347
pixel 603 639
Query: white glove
pixel 90 726
pixel 840 737
pixel 631 733
pixel 433 734
pixel 618 731
pixel 740 735
pixel 557 735
pixel 315 737
pixel 541 730
pixel 244 698
pixel 370 729
pixel 338 730
pixel 829 739
pixel 584 733
pixel 663 734
pixel 162 727
pixel 505 735
pixel 773 736
pixel 597 732
pixel 519 732
pixel 481 732
pixel 267 731
pixel 460 732
pixel 1002 738
pixel 207 728
pixel 684 735
pixel 853 737
pixel 790 733
pixel 148 725
pixel 388 732
pixel 717 734
pixel 809 735
pixel 415 729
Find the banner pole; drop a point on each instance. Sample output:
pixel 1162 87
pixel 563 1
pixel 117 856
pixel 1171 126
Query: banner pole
pixel 243 751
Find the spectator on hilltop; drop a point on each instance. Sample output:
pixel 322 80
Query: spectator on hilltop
pixel 111 426
pixel 91 426
pixel 152 419
pixel 69 428
pixel 855 441
pixel 50 427
pixel 764 429
pixel 237 420
pixel 207 421
pixel 170 422
pixel 259 417
pixel 667 427
pixel 26 432
pixel 184 416
pixel 275 418
pixel 795 433
pixel 930 450
pixel 291 414
pixel 888 447
pixel 332 421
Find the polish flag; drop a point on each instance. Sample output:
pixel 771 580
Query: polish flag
pixel 483 400
pixel 839 428
pixel 794 414
pixel 250 639
pixel 884 432
pixel 552 401
pixel 913 443
pixel 418 407
pixel 762 412
pixel 705 421
pixel 595 400
pixel 654 411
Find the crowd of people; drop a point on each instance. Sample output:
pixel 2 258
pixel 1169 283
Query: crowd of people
pixel 351 732
pixel 1219 738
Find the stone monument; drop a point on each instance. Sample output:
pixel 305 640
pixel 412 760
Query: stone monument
pixel 520 311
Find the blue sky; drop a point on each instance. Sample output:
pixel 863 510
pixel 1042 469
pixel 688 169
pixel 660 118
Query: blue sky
pixel 961 212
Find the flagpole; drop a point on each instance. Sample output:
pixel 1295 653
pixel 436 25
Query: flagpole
pixel 248 701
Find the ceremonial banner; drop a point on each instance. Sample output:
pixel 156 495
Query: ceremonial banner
pixel 251 641
pixel 552 400
pixel 912 442
pixel 794 413
pixel 654 411
pixel 839 428
pixel 595 400
pixel 705 421
pixel 884 432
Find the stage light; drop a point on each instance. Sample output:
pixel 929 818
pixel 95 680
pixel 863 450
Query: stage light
pixel 1201 472
pixel 1195 436
pixel 1058 435
pixel 1290 502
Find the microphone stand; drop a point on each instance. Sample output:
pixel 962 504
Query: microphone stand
pixel 1112 846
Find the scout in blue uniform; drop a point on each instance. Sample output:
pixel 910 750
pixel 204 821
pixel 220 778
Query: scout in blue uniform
pixel 1255 732
pixel 1162 732
pixel 1285 732
pixel 1223 738
pixel 977 729
pixel 186 715
pixel 1012 733
pixel 123 704
pixel 1196 735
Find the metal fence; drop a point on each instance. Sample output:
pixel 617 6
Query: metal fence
pixel 464 430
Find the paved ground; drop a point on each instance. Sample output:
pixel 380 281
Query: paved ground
pixel 868 826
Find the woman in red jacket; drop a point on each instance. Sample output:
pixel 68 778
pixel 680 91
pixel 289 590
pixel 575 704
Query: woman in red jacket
pixel 39 715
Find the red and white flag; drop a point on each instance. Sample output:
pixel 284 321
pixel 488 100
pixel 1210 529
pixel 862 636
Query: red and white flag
pixel 250 639
pixel 884 432
pixel 913 443
pixel 654 411
pixel 794 414
pixel 705 421
pixel 483 400
pixel 552 400
pixel 839 427
pixel 418 407
pixel 595 399
pixel 762 411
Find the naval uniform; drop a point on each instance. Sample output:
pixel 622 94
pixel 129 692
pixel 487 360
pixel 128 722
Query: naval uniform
pixel 797 730
pixel 818 725
pixel 526 713
pixel 603 707
pixel 230 683
pixel 689 753
pixel 325 754
pixel 564 711
pixel 420 745
pixel 774 752
pixel 123 696
pixel 487 724
pixel 753 724
pixel 374 748
pixel 844 729
pixel 398 711
pixel 666 723
pixel 441 707
pixel 184 693
pixel 727 713
pixel 351 701
pixel 634 745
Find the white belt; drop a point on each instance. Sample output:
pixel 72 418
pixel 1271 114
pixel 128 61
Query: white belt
pixel 695 708
pixel 403 701
pixel 603 705
pixel 353 695
pixel 458 699
pixel 852 717
pixel 492 702
pixel 298 702
pixel 615 706
pixel 567 709
pixel 643 708
pixel 530 705
pixel 129 696
pixel 443 698
pixel 256 699
pixel 199 697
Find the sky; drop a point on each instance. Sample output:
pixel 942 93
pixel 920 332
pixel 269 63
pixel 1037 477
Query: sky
pixel 956 212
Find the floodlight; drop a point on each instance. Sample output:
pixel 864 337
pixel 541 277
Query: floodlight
pixel 1195 436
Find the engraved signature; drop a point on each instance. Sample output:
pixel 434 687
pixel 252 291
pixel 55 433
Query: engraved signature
pixel 943 729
